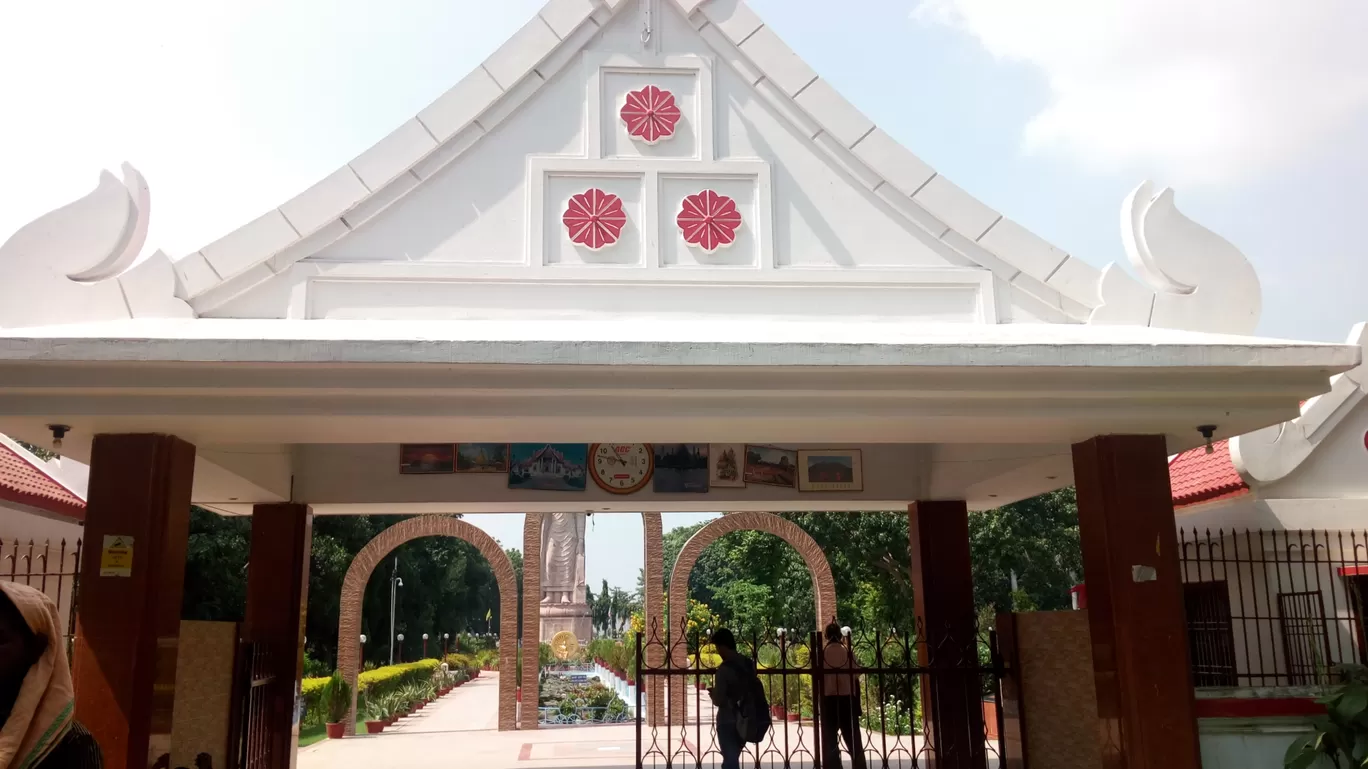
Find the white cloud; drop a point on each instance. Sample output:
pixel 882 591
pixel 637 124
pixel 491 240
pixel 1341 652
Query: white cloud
pixel 1213 91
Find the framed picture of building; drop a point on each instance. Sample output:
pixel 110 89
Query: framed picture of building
pixel 771 466
pixel 427 458
pixel 548 466
pixel 830 470
pixel 482 457
pixel 726 463
pixel 681 468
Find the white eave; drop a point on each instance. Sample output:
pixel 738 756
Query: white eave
pixel 456 121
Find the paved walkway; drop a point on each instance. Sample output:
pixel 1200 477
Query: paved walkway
pixel 460 730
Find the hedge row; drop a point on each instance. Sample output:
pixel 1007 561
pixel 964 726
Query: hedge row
pixel 378 682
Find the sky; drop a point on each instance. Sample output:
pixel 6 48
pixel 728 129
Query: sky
pixel 1049 111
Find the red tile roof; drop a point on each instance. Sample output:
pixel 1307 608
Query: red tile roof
pixel 24 483
pixel 1197 476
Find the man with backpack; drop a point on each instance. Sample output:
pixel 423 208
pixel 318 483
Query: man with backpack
pixel 742 712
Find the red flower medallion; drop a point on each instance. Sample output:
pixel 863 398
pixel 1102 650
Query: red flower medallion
pixel 594 219
pixel 650 114
pixel 709 220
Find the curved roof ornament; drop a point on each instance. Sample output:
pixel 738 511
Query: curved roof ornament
pixel 1193 279
pixel 77 263
pixel 1271 454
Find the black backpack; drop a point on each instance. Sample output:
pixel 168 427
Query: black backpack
pixel 752 709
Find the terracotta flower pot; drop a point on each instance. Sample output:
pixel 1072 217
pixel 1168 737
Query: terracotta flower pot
pixel 335 731
pixel 374 727
pixel 792 717
pixel 777 711
pixel 419 706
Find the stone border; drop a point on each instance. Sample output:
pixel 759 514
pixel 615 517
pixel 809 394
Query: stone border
pixel 824 585
pixel 359 573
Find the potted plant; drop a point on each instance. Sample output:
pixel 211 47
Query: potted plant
pixel 338 698
pixel 375 717
pixel 1340 737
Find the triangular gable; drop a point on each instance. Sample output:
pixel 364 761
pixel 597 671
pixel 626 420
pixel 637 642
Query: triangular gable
pixel 1189 277
pixel 1057 287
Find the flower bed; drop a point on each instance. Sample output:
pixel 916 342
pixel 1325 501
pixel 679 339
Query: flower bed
pixel 372 684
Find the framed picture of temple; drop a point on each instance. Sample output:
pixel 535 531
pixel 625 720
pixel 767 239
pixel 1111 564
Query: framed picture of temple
pixel 427 458
pixel 681 468
pixel 771 466
pixel 725 464
pixel 830 470
pixel 548 466
pixel 482 457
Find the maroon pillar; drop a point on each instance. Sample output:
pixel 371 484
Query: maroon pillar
pixel 277 597
pixel 943 585
pixel 132 577
pixel 1135 603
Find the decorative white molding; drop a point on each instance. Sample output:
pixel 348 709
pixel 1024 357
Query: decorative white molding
pixel 1271 454
pixel 76 264
pixel 1193 279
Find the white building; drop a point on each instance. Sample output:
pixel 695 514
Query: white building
pixel 650 220
pixel 42 511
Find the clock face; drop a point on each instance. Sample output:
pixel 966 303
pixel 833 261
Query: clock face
pixel 621 468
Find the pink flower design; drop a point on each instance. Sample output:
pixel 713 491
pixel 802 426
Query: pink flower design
pixel 650 114
pixel 594 218
pixel 709 220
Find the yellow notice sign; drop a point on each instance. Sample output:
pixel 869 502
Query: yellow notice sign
pixel 116 559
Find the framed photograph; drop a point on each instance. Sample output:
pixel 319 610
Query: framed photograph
pixel 726 461
pixel 681 468
pixel 548 466
pixel 830 470
pixel 427 458
pixel 482 457
pixel 771 466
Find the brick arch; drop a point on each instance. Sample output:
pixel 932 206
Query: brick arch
pixel 823 584
pixel 359 573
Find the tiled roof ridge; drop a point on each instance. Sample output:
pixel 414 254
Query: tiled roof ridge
pixel 25 480
pixel 1196 476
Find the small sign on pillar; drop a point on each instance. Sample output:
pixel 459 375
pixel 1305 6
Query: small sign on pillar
pixel 116 557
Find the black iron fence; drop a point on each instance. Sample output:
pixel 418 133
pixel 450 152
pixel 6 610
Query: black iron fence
pixel 1273 608
pixel 52 567
pixel 875 698
pixel 251 745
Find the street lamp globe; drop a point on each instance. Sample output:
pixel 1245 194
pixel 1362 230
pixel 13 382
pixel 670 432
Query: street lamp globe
pixel 400 637
pixel 425 636
pixel 363 638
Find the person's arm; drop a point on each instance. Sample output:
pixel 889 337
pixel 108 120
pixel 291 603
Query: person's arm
pixel 725 690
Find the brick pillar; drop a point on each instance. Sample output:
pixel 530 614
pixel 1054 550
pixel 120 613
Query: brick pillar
pixel 277 601
pixel 1145 702
pixel 531 619
pixel 128 621
pixel 938 534
pixel 654 640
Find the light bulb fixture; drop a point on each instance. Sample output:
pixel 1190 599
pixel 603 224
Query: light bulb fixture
pixel 58 433
pixel 1207 431
pixel 446 636
pixel 845 631
pixel 401 637
pixel 363 638
pixel 425 636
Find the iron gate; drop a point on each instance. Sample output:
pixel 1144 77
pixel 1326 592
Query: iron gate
pixel 894 673
pixel 250 742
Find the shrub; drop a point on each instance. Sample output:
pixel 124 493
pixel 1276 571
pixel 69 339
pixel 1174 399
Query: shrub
pixel 338 698
pixel 373 685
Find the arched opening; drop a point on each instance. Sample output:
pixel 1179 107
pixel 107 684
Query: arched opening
pixel 365 562
pixel 823 584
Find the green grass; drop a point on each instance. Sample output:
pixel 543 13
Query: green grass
pixel 308 735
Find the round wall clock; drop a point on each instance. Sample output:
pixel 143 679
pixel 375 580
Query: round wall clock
pixel 621 468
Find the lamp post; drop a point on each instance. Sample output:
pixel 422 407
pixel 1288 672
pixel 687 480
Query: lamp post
pixel 401 646
pixel 395 584
pixel 425 646
pixel 445 638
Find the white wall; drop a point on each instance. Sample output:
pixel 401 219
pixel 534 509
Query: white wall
pixel 1337 468
pixel 20 526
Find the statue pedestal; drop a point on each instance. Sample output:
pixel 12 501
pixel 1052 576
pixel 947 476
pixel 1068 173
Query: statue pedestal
pixel 574 617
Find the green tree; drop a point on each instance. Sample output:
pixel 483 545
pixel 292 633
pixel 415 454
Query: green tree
pixel 1037 540
pixel 216 567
